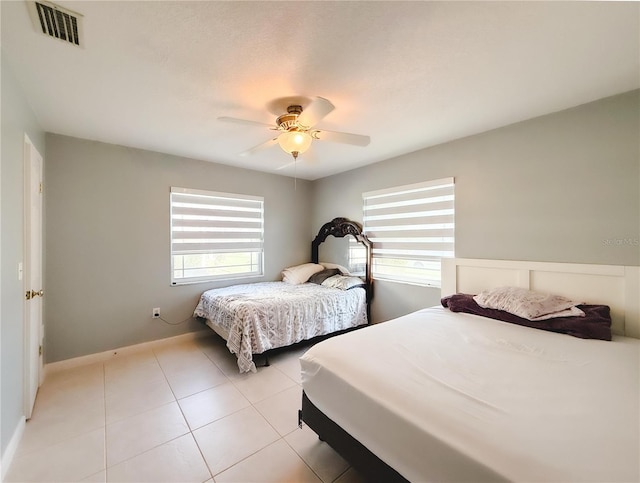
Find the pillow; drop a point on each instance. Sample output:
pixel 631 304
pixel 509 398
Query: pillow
pixel 596 323
pixel 343 270
pixel 322 276
pixel 300 273
pixel 343 282
pixel 525 303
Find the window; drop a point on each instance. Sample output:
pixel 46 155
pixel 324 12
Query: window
pixel 215 236
pixel 411 228
pixel 357 257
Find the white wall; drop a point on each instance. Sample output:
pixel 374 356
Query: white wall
pixel 108 252
pixel 559 188
pixel 17 120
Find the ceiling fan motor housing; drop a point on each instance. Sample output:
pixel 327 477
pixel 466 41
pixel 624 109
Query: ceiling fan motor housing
pixel 289 121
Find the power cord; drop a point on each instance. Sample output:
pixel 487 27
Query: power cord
pixel 191 317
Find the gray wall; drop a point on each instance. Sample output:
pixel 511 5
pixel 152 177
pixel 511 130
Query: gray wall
pixel 17 120
pixel 108 253
pixel 558 188
pixel 555 188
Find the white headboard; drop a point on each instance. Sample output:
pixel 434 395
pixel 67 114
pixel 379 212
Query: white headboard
pixel 614 285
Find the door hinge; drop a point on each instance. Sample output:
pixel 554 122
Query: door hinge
pixel 40 187
pixel 40 350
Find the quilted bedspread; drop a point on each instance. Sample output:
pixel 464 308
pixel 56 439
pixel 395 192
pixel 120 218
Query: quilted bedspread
pixel 267 315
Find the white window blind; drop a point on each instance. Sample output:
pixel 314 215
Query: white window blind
pixel 411 228
pixel 215 236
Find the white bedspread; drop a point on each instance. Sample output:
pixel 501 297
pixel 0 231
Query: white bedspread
pixel 456 397
pixel 267 315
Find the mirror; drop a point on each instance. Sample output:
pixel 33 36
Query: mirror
pixel 345 251
pixel 335 250
pixel 341 241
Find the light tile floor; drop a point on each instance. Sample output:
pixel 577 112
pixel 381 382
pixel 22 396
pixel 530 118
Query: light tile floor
pixel 179 412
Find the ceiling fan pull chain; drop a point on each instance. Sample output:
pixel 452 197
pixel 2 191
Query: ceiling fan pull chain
pixel 295 170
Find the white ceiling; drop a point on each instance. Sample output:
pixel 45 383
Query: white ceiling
pixel 157 75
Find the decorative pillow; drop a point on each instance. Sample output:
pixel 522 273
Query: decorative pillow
pixel 570 312
pixel 343 270
pixel 300 273
pixel 596 323
pixel 322 276
pixel 524 303
pixel 343 282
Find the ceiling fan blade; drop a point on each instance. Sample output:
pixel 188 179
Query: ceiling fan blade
pixel 341 137
pixel 285 166
pixel 305 158
pixel 246 122
pixel 317 109
pixel 260 147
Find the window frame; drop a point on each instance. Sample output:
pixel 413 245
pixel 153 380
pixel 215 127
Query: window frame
pixel 232 202
pixel 430 240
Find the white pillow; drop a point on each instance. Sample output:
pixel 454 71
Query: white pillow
pixel 343 282
pixel 526 303
pixel 300 273
pixel 344 270
pixel 572 312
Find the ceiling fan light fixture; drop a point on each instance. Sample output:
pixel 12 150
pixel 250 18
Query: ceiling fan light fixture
pixel 294 141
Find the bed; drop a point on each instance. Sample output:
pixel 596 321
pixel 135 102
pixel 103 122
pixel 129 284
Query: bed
pixel 443 396
pixel 329 295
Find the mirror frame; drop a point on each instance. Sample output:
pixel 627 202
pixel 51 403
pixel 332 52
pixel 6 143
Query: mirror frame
pixel 339 228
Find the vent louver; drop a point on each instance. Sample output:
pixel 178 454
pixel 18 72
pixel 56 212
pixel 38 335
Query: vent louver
pixel 55 21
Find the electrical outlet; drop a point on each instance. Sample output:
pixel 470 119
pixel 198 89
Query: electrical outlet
pixel 156 313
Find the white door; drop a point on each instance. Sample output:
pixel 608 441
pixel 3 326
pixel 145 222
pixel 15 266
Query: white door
pixel 33 283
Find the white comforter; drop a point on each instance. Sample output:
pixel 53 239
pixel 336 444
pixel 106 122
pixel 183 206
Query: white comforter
pixel 266 315
pixel 441 396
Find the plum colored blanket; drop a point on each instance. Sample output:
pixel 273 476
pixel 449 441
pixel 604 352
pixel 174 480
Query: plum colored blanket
pixel 596 324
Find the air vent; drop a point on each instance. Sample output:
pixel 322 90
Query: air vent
pixel 57 22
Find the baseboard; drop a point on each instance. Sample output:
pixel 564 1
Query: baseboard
pixel 122 351
pixel 12 447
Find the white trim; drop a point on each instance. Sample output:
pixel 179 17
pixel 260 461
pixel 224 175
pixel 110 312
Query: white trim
pixel 12 448
pixel 614 285
pixel 33 336
pixel 189 191
pixel 105 356
pixel 450 181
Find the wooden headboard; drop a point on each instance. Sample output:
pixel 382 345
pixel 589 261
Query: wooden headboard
pixel 614 285
pixel 339 228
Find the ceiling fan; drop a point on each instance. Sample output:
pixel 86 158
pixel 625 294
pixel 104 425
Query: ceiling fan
pixel 296 129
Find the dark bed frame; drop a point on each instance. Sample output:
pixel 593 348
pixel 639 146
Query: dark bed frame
pixel 339 228
pixel 358 455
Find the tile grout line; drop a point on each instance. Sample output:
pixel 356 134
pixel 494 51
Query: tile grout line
pixel 57 442
pixel 190 430
pixel 292 431
pixel 193 437
pixel 280 437
pixel 341 474
pixel 252 405
pixel 300 456
pixel 234 412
